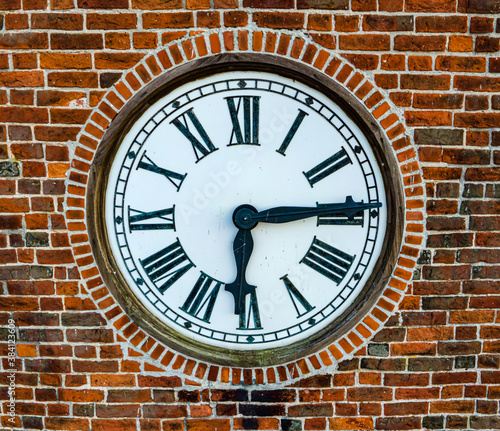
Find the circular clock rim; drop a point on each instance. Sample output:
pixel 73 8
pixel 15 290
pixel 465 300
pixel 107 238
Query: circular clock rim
pixel 188 72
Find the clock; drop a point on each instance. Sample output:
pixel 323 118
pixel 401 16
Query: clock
pixel 246 215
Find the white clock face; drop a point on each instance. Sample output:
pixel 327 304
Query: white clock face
pixel 245 138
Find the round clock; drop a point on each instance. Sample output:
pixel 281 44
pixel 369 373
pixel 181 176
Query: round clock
pixel 246 216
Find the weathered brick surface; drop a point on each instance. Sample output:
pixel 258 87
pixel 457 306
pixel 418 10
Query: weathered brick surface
pixel 81 364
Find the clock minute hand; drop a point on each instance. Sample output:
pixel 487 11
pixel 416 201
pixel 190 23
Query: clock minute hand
pixel 287 214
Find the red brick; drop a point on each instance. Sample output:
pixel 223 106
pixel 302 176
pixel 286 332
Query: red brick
pixel 481 25
pixel 419 43
pixel 390 5
pixel 428 118
pixel 16 21
pixel 369 394
pixel 318 4
pixel 362 61
pixel 279 20
pixel 21 79
pixel 10 4
pixel 483 6
pixel 117 60
pixel 168 20
pixel 357 423
pixel 441 24
pixel 387 23
pixel 364 5
pixel 479 120
pixel 62 423
pixel 437 101
pixel 111 21
pixel 76 41
pixel 24 40
pixel 57 21
pixel 208 424
pixel 354 42
pixel 73 79
pixel 406 409
pixel 99 4
pixel 476 83
pixel 461 64
pixel 342 23
pixel 426 6
pixel 156 4
pixel 461 43
pixel 452 407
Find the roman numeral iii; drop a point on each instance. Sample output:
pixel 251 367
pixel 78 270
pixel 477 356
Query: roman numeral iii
pixel 328 260
pixel 328 167
pixel 188 124
pixel 249 135
pixel 167 265
pixel 201 300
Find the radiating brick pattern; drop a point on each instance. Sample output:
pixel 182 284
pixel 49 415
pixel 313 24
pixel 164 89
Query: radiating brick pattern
pixel 267 43
pixel 424 357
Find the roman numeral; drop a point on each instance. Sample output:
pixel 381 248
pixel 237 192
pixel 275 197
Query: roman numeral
pixel 167 265
pixel 201 299
pixel 175 178
pixel 327 260
pixel 250 114
pixel 300 303
pixel 187 123
pixel 135 217
pixel 341 219
pixel 291 133
pixel 250 315
pixel 328 167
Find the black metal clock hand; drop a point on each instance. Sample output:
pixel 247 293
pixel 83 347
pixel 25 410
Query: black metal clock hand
pixel 246 219
pixel 242 247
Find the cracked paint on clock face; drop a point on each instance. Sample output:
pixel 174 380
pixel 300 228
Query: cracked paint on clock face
pixel 231 139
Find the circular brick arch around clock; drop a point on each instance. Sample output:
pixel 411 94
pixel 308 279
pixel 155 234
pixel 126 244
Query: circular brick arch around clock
pixel 161 357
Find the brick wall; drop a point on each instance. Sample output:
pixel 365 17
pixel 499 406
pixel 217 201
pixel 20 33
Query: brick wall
pixel 67 67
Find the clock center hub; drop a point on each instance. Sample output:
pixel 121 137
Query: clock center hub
pixel 217 198
pixel 242 217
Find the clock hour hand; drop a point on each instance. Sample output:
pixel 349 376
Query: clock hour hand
pixel 349 208
pixel 242 247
